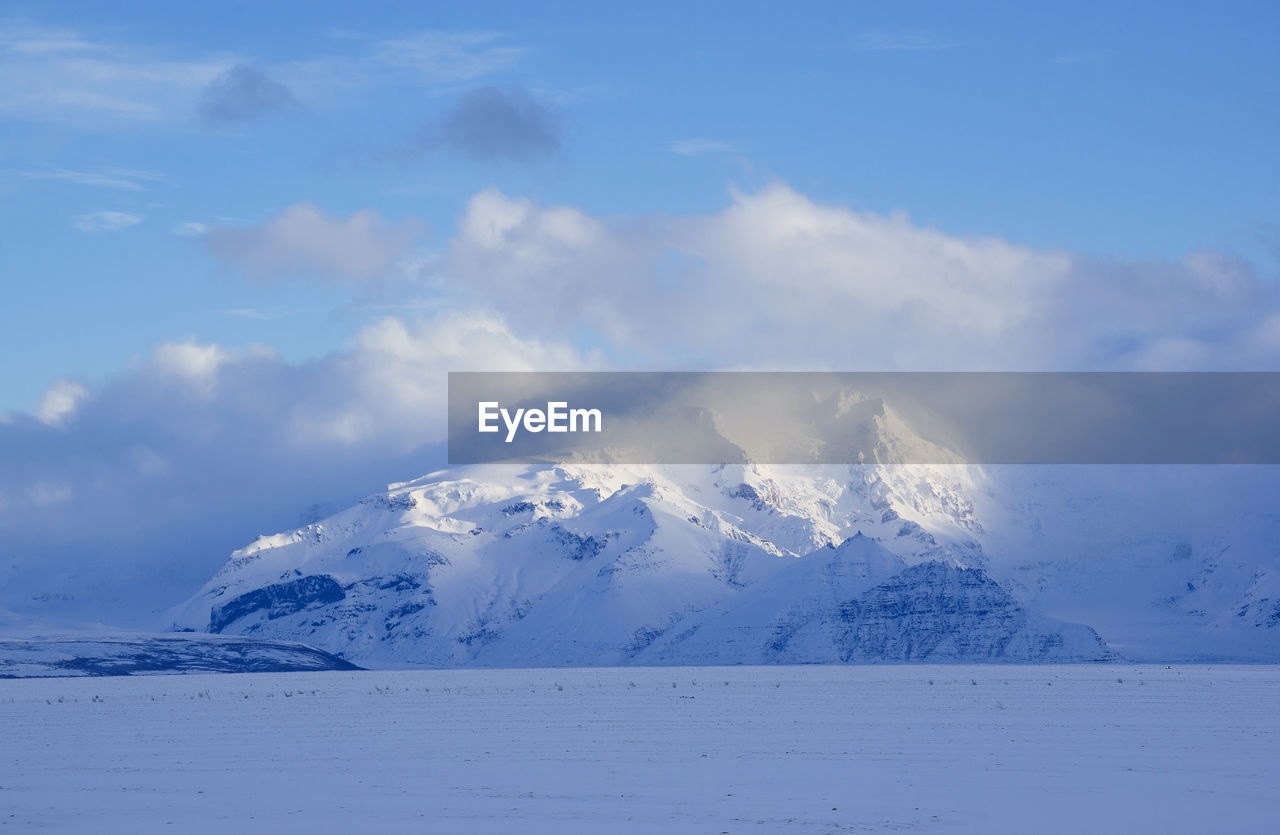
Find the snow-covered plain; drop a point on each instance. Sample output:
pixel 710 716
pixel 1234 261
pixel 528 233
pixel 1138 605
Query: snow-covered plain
pixel 1101 748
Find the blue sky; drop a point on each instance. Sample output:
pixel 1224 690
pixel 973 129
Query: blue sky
pixel 1142 131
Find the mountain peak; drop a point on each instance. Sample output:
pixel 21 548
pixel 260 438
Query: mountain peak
pixel 575 564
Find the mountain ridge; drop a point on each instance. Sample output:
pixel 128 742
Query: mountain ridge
pixel 589 564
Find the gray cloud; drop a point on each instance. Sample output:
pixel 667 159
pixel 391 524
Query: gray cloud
pixel 303 240
pixel 489 124
pixel 245 94
pixel 128 496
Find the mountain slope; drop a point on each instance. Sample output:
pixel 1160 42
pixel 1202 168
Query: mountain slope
pixel 588 565
pixel 859 603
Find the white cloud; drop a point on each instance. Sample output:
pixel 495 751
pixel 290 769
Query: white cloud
pixel 700 147
pixel 189 363
pixel 190 229
pixel 252 313
pixel 64 76
pixel 44 493
pixel 303 240
pixel 59 402
pixel 1222 276
pixel 127 179
pixel 449 56
pixel 545 268
pixel 106 221
pixel 781 281
pixel 395 379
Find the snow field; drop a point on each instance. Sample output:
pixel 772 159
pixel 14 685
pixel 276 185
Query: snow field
pixel 1101 748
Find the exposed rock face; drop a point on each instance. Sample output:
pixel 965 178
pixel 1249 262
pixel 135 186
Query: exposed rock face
pixel 933 612
pixel 150 654
pixel 858 603
pixel 277 600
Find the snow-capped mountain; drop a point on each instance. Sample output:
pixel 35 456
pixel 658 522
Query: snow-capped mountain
pixel 584 564
pixel 578 564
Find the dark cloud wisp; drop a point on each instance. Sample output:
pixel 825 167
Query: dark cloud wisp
pixel 488 124
pixel 245 94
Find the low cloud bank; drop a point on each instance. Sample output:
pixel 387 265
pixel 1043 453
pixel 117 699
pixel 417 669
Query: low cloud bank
pixel 117 499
